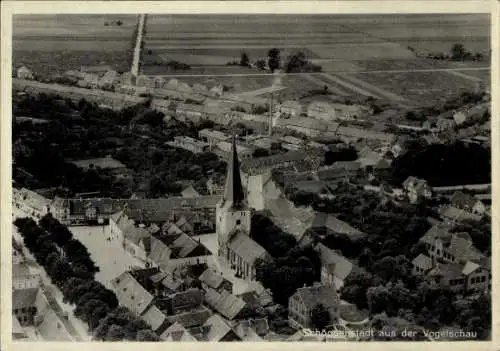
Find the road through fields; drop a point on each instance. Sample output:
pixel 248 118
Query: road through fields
pixel 333 71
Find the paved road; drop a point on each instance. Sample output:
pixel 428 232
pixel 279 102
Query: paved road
pixel 332 71
pixel 137 51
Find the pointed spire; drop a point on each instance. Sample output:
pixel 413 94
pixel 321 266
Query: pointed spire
pixel 234 189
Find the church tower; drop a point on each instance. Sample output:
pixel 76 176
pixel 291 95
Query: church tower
pixel 232 212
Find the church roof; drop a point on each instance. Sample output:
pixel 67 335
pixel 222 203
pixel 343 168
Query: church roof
pixel 234 193
pixel 246 248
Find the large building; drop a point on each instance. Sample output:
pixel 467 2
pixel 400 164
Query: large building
pixel 235 248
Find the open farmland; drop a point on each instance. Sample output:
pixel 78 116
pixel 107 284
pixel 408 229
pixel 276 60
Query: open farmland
pixel 54 43
pixel 419 88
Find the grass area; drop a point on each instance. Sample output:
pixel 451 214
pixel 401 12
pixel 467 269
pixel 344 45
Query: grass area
pixel 44 63
pixel 202 70
pixel 55 43
pixel 420 87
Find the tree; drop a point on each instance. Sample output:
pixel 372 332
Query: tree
pixel 458 51
pixel 146 335
pixel 115 333
pixel 119 23
pixel 260 64
pixel 274 59
pixel 378 298
pixel 244 61
pixel 260 153
pixel 320 317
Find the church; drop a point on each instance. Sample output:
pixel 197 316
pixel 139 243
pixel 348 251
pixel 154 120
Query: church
pixel 235 248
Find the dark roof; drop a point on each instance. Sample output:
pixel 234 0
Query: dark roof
pixel 23 298
pixel 336 264
pixel 463 201
pixel 192 318
pixel 234 193
pixel 212 278
pixel 246 248
pixel 325 220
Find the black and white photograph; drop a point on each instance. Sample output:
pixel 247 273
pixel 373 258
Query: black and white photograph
pixel 251 177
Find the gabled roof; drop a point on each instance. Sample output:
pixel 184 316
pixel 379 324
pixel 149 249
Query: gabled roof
pixel 318 294
pixel 176 332
pixel 17 329
pixel 225 303
pixel 246 248
pixel 154 317
pixel 457 214
pixel 245 331
pixel 190 192
pixel 218 328
pixel 470 267
pixel 212 278
pixel 336 264
pixel 463 201
pixel 447 270
pixel 437 231
pixel 193 318
pixel 24 298
pixel 463 249
pixel 423 262
pixel 131 294
pixel 331 222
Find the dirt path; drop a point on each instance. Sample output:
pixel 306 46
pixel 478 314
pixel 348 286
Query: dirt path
pixel 322 83
pixel 377 90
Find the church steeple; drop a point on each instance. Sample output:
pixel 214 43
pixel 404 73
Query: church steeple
pixel 234 192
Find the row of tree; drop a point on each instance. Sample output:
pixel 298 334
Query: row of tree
pixel 95 304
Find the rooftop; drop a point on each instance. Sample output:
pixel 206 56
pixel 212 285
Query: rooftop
pixel 103 163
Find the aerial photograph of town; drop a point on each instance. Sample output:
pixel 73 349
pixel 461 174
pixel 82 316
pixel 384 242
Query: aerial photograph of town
pixel 259 177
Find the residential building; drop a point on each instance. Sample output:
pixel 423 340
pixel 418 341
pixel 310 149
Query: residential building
pixel 190 144
pixel 470 114
pixel 223 149
pixel 30 202
pixel 24 73
pixel 211 279
pixel 216 329
pixel 321 110
pixel 190 192
pixel 339 171
pixel 263 296
pixel 468 203
pixel 291 143
pixel 213 137
pixel 177 332
pixel 306 299
pixel 334 267
pixel 135 239
pixel 326 223
pixel 225 303
pixel 451 214
pixel 305 125
pixel 235 248
pixel 24 305
pixel 23 277
pixel 291 108
pixel 417 189
pixel 174 250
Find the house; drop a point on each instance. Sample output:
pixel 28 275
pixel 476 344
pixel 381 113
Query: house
pixel 451 214
pixel 170 251
pixel 417 189
pixel 291 143
pixel 353 134
pixel 334 267
pixel 24 306
pixel 467 203
pixel 225 303
pixel 252 329
pixel 264 296
pixel 213 137
pixel 372 160
pixel 467 278
pixel 302 303
pixel 339 171
pixel 31 202
pixel 421 264
pixel 223 149
pixel 217 329
pixel 135 239
pixel 177 332
pixel 23 277
pixel 291 108
pixel 443 124
pixel 211 279
pixel 24 73
pixel 305 125
pixel 132 295
pixel 328 223
pixel 190 192
pixel 321 110
pixel 470 114
pixel 190 144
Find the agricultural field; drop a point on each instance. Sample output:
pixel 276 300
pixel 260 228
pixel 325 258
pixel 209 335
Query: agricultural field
pixel 419 88
pixel 51 44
